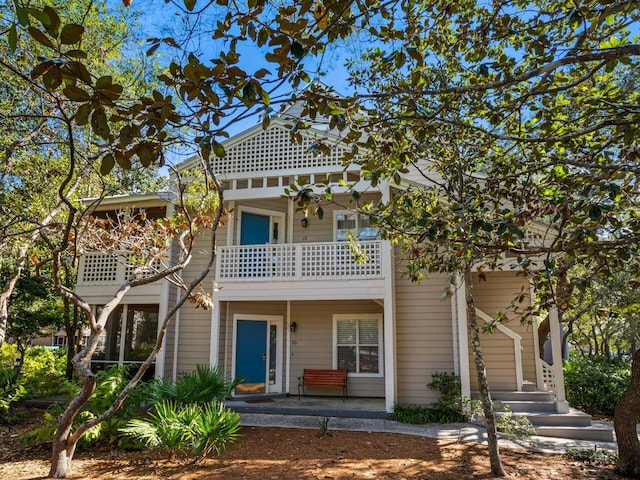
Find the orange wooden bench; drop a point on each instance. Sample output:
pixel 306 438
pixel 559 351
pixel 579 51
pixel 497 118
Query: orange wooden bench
pixel 314 377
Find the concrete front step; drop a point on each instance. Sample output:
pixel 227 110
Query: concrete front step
pixel 536 396
pixel 527 406
pixel 574 418
pixel 596 432
pixel 540 409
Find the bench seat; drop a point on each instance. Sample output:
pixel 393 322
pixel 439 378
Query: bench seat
pixel 315 377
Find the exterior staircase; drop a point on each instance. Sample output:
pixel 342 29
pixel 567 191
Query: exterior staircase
pixel 539 407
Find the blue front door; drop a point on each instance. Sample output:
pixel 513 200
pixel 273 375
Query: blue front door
pixel 254 229
pixel 251 355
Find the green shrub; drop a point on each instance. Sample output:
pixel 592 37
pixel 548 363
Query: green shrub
pixel 595 384
pixel 42 373
pixel 446 410
pixel 110 384
pixel 206 384
pixel 191 429
pixel 514 425
pixel 591 455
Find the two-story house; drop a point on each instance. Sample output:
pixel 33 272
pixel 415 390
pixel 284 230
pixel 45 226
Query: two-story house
pixel 289 295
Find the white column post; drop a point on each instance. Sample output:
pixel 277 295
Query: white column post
pixel 287 335
pixel 162 313
pixel 536 345
pixel 389 327
pixel 562 406
pixel 463 336
pixel 214 351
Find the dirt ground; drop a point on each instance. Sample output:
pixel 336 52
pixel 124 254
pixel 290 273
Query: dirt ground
pixel 293 454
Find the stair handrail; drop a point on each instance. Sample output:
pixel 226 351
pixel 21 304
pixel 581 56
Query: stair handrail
pixel 517 345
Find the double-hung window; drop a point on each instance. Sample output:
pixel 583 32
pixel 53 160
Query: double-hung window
pixel 358 343
pixel 349 224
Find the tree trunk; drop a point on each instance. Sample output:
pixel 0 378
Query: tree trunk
pixel 64 445
pixel 5 294
pixel 4 314
pixel 625 420
pixel 487 405
pixel 543 333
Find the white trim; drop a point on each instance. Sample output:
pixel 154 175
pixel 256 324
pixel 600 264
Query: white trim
pixel 287 364
pixel 562 406
pixel 463 337
pixel 162 313
pixel 271 320
pixel 389 336
pixel 536 339
pixel 359 316
pixel 231 207
pixel 274 217
pixel 176 342
pixel 214 350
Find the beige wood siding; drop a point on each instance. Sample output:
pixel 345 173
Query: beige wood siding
pixel 312 344
pixel 194 336
pixel 494 294
pixel 322 230
pixel 424 337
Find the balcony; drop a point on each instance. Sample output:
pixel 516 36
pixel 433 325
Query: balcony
pixel 101 274
pixel 300 261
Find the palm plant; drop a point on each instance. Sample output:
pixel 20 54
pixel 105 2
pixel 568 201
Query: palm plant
pixel 205 384
pixel 192 429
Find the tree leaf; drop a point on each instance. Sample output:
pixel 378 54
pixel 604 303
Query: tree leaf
pixel 104 82
pixel 71 34
pixel 218 149
pixel 99 123
pixel 39 15
pixel 53 26
pixel 124 161
pixel 108 162
pixel 190 4
pixel 21 14
pixel 595 213
pixel 76 54
pixel 297 50
pixel 82 115
pixel 80 71
pixel 13 38
pixel 40 37
pixel 76 94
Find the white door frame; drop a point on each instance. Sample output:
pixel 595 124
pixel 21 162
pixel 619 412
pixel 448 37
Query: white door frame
pixel 276 320
pixel 274 217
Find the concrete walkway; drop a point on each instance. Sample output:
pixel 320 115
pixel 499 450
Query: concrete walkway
pixel 464 432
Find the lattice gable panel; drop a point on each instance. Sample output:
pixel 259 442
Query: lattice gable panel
pixel 272 150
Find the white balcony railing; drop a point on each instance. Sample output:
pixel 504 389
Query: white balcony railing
pixel 300 261
pixel 97 268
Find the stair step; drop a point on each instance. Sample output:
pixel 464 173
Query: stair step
pixel 533 396
pixel 574 418
pixel 532 406
pixel 596 432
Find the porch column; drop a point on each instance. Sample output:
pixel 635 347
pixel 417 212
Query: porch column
pixel 214 354
pixel 389 328
pixel 460 318
pixel 562 406
pixel 162 313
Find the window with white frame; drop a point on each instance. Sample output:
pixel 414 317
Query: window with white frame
pixel 358 343
pixel 350 224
